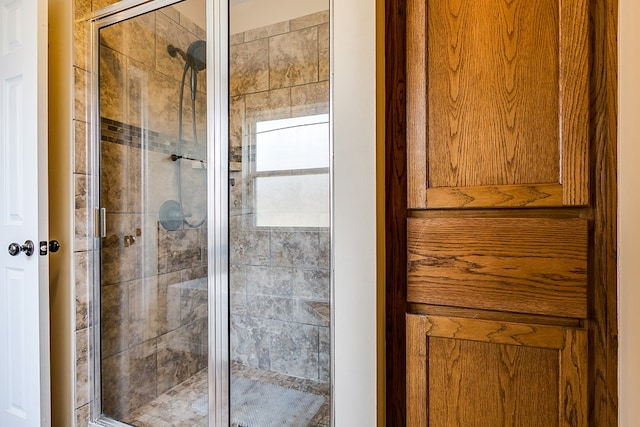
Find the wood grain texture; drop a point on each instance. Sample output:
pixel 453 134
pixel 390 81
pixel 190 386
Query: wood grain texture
pixel 573 379
pixel 574 100
pixel 499 196
pixel 496 332
pixel 522 265
pixel 564 213
pixel 395 213
pixel 492 92
pixel 501 316
pixel 417 396
pixel 603 330
pixel 494 373
pixel 416 105
pixel 482 384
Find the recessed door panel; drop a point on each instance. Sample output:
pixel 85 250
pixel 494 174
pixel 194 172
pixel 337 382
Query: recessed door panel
pixel 497 96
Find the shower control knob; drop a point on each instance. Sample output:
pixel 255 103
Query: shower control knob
pixel 27 248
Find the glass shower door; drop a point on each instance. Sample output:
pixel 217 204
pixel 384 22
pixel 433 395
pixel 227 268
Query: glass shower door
pixel 279 219
pixel 152 348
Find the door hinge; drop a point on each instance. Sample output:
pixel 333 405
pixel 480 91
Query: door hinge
pixel 100 222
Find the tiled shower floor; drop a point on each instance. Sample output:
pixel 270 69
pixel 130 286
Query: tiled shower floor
pixel 186 401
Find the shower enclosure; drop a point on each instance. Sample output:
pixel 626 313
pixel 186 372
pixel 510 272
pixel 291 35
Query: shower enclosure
pixel 211 177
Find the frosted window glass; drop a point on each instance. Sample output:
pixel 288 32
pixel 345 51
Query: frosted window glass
pixel 292 144
pixel 292 201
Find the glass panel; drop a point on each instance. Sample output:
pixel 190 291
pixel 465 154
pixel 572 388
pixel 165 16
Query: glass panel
pixel 292 201
pixel 153 260
pixel 296 143
pixel 279 236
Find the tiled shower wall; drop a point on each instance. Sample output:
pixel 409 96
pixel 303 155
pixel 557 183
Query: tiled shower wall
pixel 154 296
pixel 279 277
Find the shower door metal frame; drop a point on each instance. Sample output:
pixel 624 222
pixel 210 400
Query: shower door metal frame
pixel 217 202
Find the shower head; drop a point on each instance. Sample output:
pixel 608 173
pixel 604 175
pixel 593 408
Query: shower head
pixel 196 56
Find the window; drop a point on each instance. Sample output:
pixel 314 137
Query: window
pixel 292 172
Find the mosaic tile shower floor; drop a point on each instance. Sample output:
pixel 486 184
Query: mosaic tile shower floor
pixel 187 401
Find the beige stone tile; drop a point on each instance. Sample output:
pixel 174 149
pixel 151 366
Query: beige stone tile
pixel 99 4
pixel 82 263
pixel 249 245
pixel 139 89
pixel 136 164
pixel 236 121
pixel 149 243
pixel 81 152
pixel 194 191
pixel 113 38
pixel 178 249
pixel 193 301
pixel 82 367
pixel 171 12
pixel 81 9
pixel 114 176
pixel 81 94
pixel 81 38
pixel 310 99
pixel 169 302
pixel 81 230
pixel 189 25
pixel 121 263
pixel 273 104
pixel 113 318
pixel 81 191
pixel 235 39
pixel 139 37
pixel 181 353
pixel 293 58
pixel 129 380
pixel 163 105
pixel 170 32
pixel 82 415
pixel 113 78
pixel 323 52
pixel 160 180
pixel 249 67
pixel 294 350
pixel 143 310
pixel 310 20
pixel 266 31
pixel 81 32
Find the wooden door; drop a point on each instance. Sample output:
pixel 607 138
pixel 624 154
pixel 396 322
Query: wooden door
pixel 498 230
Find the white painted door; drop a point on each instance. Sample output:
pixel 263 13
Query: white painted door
pixel 24 289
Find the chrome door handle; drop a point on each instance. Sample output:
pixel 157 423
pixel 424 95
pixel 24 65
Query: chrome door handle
pixel 27 248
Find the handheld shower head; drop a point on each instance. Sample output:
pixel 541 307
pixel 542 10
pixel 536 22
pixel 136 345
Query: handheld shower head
pixel 197 55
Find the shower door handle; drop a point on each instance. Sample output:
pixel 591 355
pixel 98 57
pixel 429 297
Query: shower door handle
pixel 100 222
pixel 27 248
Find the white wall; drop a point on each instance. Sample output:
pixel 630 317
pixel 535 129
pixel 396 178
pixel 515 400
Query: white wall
pixel 354 118
pixel 629 212
pixel 249 14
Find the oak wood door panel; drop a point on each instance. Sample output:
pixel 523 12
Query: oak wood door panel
pixel 497 103
pixel 468 372
pixel 521 265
